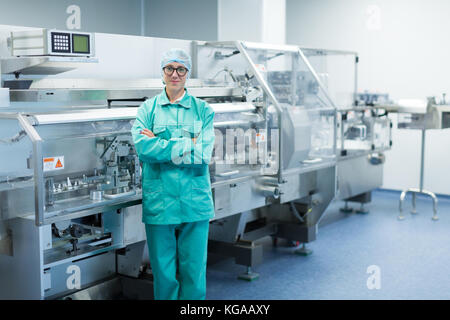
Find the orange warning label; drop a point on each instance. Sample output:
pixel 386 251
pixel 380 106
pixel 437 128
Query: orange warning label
pixel 53 163
pixel 59 164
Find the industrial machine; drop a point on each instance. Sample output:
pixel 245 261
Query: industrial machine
pixel 52 42
pixel 420 114
pixel 285 192
pixel 70 192
pixel 364 130
pixel 70 186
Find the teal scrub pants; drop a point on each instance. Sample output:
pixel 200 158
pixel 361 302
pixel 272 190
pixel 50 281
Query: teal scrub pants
pixel 184 245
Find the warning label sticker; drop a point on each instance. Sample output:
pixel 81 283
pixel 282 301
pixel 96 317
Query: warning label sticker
pixel 53 163
pixel 260 137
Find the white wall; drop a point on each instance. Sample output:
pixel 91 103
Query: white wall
pixel 239 20
pixel 404 50
pixel 111 16
pixel 252 20
pixel 274 21
pixel 181 19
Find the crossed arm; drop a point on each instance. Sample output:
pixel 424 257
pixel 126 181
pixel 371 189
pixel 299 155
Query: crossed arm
pixel 181 151
pixel 150 134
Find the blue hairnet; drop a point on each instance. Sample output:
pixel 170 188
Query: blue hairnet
pixel 176 55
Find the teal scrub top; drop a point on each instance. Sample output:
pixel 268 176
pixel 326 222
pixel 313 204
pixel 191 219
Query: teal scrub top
pixel 176 186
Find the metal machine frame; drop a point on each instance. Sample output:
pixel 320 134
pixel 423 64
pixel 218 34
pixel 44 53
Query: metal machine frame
pixel 283 195
pixel 367 156
pixel 422 115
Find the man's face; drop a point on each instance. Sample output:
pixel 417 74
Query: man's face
pixel 174 81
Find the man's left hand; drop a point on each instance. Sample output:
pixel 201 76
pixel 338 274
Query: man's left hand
pixel 148 133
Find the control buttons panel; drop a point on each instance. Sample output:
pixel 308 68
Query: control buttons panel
pixel 60 42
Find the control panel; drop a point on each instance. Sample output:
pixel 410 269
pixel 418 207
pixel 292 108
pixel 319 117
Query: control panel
pixel 52 42
pixel 70 43
pixel 60 42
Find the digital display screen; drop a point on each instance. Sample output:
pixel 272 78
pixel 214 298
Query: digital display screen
pixel 80 43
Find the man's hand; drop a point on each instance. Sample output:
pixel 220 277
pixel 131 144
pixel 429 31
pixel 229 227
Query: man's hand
pixel 148 133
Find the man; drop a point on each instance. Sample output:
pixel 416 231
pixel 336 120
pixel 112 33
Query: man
pixel 174 138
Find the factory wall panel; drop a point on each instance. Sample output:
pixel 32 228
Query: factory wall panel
pixel 178 19
pixel 252 20
pixel 404 52
pixel 240 20
pixel 109 16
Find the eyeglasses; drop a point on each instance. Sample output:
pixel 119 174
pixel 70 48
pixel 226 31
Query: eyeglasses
pixel 181 71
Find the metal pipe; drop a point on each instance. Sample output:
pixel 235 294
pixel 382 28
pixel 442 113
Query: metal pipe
pixel 415 191
pixel 355 94
pixel 402 198
pixel 39 196
pixel 435 202
pixel 422 158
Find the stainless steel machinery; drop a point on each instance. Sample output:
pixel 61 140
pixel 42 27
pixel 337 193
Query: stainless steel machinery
pixel 70 189
pixel 70 186
pixel 363 127
pixel 421 114
pixel 50 42
pixel 285 192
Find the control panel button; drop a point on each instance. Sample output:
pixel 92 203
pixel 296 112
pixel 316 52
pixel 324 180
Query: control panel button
pixel 60 42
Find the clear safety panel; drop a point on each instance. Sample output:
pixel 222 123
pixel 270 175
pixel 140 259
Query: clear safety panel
pixel 361 127
pixel 337 70
pixel 382 133
pixel 363 130
pixel 240 123
pixel 299 131
pixel 307 125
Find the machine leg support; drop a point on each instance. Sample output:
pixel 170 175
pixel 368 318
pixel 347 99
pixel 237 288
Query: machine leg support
pixel 413 211
pixel 346 208
pixel 245 253
pixel 248 275
pixel 303 251
pixel 362 210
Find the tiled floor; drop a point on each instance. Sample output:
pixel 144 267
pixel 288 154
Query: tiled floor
pixel 412 256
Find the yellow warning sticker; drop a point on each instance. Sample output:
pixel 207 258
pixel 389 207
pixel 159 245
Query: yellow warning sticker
pixel 53 163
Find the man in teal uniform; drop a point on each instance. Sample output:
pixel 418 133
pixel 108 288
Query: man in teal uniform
pixel 174 138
